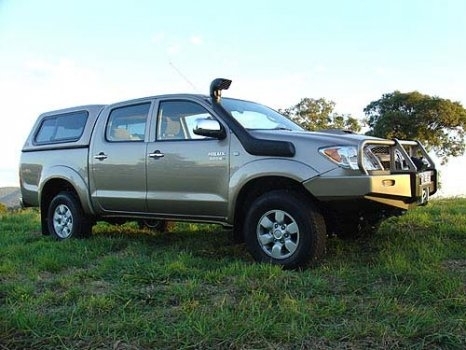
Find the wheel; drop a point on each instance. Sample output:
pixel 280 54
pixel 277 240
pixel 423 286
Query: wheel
pixel 285 228
pixel 66 219
pixel 153 225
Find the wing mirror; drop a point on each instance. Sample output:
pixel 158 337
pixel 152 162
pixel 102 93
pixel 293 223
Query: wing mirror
pixel 209 128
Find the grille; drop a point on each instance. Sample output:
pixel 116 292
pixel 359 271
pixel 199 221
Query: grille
pixel 383 154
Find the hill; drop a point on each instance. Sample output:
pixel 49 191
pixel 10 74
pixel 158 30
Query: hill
pixel 9 196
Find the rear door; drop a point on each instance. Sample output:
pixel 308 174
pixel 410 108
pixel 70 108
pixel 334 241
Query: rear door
pixel 187 174
pixel 118 158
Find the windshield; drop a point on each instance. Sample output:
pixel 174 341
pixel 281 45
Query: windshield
pixel 256 116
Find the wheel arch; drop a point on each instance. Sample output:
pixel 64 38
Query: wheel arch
pixel 265 174
pixel 257 187
pixel 68 181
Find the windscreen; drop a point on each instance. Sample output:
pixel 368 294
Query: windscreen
pixel 252 115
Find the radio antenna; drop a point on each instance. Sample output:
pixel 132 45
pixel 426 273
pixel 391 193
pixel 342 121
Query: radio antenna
pixel 183 76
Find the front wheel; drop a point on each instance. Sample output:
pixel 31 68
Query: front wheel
pixel 66 219
pixel 285 228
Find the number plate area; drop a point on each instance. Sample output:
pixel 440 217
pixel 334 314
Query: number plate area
pixel 425 182
pixel 425 178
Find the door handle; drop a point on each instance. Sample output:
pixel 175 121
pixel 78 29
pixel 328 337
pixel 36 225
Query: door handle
pixel 156 154
pixel 101 156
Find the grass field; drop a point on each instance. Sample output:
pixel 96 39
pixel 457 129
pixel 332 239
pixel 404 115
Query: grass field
pixel 192 288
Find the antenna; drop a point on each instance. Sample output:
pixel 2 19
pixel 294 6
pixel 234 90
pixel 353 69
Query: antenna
pixel 183 76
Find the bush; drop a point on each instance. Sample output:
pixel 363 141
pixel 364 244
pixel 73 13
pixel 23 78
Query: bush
pixel 3 209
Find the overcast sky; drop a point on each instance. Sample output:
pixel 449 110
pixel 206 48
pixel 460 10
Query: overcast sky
pixel 61 53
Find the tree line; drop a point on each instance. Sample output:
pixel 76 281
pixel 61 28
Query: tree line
pixel 439 123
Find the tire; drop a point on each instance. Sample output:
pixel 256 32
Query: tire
pixel 66 219
pixel 285 228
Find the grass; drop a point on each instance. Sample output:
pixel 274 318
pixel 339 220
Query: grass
pixel 192 288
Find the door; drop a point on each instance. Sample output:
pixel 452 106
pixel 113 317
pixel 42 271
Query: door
pixel 118 159
pixel 187 174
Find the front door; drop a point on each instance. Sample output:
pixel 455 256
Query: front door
pixel 187 174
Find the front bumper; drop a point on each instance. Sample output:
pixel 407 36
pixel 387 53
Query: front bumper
pixel 395 190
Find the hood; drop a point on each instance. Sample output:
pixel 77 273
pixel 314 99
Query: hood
pixel 330 137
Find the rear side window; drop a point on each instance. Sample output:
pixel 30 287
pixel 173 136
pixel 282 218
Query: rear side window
pixel 67 127
pixel 127 123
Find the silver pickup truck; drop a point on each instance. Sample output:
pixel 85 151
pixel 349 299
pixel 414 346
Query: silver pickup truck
pixel 199 158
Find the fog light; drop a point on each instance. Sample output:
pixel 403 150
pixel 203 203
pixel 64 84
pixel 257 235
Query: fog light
pixel 388 183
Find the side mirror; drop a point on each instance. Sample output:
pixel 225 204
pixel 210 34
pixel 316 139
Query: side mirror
pixel 209 128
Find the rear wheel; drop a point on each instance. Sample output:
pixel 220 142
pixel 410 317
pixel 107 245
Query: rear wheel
pixel 66 219
pixel 285 228
pixel 153 225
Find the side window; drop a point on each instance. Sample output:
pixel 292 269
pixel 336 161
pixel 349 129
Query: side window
pixel 67 127
pixel 176 120
pixel 127 123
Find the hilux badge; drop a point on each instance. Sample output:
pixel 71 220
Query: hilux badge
pixel 219 155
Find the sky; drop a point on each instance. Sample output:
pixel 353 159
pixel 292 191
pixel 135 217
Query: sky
pixel 62 53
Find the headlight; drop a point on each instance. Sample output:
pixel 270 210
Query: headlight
pixel 344 156
pixel 347 157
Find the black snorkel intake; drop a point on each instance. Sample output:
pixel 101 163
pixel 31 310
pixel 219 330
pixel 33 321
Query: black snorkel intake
pixel 252 145
pixel 216 87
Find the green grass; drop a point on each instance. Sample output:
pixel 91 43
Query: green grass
pixel 192 288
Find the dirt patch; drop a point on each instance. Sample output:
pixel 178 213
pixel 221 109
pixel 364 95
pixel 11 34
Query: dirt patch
pixel 455 265
pixel 458 267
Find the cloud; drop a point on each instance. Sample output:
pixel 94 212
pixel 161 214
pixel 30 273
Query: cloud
pixel 158 38
pixel 320 68
pixel 196 40
pixel 63 70
pixel 174 45
pixel 37 85
pixel 174 49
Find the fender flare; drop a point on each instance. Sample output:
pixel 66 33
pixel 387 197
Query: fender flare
pixel 74 178
pixel 269 167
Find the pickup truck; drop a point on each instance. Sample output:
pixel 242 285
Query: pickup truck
pixel 203 158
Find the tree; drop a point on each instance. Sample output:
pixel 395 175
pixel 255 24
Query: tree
pixel 314 114
pixel 438 123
